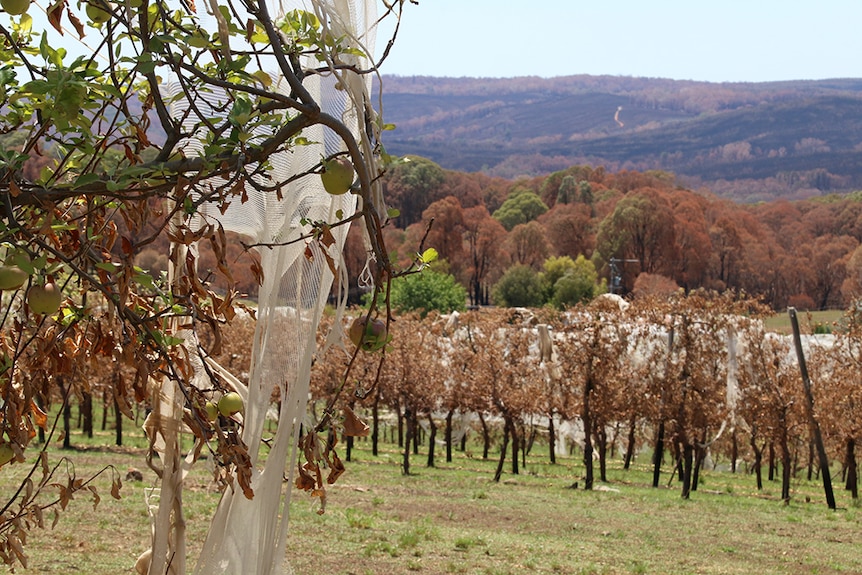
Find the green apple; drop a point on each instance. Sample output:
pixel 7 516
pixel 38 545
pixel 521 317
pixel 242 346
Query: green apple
pixel 12 277
pixel 44 298
pixel 369 335
pixel 337 176
pixel 230 403
pixel 97 14
pixel 6 454
pixel 15 7
pixel 212 410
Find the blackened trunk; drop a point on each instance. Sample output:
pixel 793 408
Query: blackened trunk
pixel 464 441
pixel 348 450
pixel 758 460
pixel 687 464
pixel 630 448
pixel 786 466
pixel 771 474
pixel 503 450
pixel 401 419
pixel 658 454
pixel 486 437
pixel 41 405
pixel 587 420
pixel 734 451
pixel 528 447
pixel 408 424
pixel 552 440
pixel 449 435
pixel 851 484
pixel 513 430
pixel 602 438
pixel 432 440
pixel 105 410
pixel 67 421
pixel 118 435
pixel 699 456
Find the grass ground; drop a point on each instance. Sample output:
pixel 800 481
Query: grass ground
pixel 808 321
pixel 454 519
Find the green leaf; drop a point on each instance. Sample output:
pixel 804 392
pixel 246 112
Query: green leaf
pixel 393 213
pixel 189 206
pixel 85 180
pixel 197 41
pixel 428 256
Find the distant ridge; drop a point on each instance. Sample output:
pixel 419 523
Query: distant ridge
pixel 747 141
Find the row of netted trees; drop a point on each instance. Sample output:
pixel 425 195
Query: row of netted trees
pixel 696 375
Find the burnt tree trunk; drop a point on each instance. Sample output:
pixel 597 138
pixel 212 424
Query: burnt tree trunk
pixel 87 412
pixel 408 438
pixel 486 436
pixel 699 456
pixel 503 451
pixel 105 410
pixel 658 454
pixel 851 483
pixel 758 459
pixel 67 414
pixel 400 417
pixel 602 440
pixel 587 420
pixel 630 448
pixel 734 451
pixel 687 463
pixel 786 461
pixel 552 439
pixel 771 474
pixel 449 435
pixel 118 431
pixel 432 439
pixel 516 445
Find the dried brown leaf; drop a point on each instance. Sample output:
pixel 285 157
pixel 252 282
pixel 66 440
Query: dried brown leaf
pixel 116 485
pixel 353 426
pixel 335 470
pixel 55 15
pixel 96 498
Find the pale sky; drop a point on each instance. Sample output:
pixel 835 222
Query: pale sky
pixel 709 40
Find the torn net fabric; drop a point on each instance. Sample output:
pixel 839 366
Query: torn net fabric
pixel 249 535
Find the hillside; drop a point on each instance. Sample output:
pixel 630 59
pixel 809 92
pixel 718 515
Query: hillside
pixel 746 141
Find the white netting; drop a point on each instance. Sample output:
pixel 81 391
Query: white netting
pixel 248 536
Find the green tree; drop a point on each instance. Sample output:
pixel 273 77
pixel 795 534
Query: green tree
pixel 412 185
pixel 578 285
pixel 427 291
pixel 553 269
pixel 520 207
pixel 520 286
